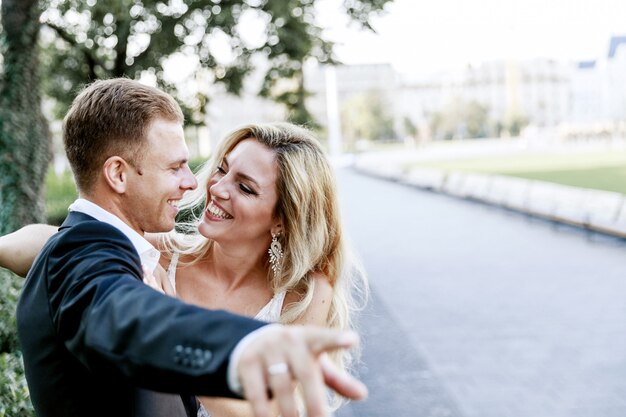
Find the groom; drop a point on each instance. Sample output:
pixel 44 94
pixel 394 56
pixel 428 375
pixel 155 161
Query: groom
pixel 94 337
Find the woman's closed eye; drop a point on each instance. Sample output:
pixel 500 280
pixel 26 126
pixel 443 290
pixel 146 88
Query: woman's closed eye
pixel 242 186
pixel 246 189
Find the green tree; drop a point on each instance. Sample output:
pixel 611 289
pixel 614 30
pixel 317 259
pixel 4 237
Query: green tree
pixel 514 123
pixel 461 119
pixel 410 129
pixel 97 39
pixel 24 136
pixel 83 40
pixel 367 116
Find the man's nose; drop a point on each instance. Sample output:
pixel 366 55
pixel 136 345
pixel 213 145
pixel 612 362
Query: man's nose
pixel 189 180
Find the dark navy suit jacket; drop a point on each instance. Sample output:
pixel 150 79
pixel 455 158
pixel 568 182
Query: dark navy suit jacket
pixel 95 338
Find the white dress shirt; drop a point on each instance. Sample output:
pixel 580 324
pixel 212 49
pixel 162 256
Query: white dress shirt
pixel 147 253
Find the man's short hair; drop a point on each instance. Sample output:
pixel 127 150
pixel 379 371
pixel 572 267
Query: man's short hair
pixel 111 118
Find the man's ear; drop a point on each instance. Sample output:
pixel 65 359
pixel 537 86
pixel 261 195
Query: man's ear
pixel 115 170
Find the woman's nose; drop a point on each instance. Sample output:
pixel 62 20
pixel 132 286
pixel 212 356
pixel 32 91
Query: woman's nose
pixel 219 189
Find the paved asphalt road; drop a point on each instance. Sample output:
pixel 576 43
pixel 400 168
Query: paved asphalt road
pixel 482 312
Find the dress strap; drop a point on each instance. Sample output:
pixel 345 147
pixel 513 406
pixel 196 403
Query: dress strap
pixel 171 269
pixel 271 311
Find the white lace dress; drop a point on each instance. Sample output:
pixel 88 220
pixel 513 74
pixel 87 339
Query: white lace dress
pixel 270 312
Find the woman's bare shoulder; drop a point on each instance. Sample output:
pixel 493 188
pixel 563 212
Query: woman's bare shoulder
pixel 317 312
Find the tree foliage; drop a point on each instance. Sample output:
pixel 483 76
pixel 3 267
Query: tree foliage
pixel 82 40
pixel 460 120
pixel 410 129
pixel 367 116
pixel 14 396
pixel 219 38
pixel 514 123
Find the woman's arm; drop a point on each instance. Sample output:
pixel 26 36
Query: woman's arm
pixel 317 312
pixel 19 249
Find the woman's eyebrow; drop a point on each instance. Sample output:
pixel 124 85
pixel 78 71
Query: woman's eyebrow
pixel 248 177
pixel 242 175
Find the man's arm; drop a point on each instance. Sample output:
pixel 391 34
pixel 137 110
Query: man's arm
pixel 282 355
pixel 19 249
pixel 113 323
pixel 117 326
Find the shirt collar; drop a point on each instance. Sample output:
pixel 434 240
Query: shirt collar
pixel 147 253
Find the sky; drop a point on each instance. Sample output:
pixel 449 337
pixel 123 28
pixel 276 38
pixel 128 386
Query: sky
pixel 425 36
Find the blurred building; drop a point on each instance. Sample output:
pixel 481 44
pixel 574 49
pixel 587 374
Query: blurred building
pixel 537 90
pixel 598 89
pixel 227 112
pixel 351 81
pixel 545 92
pixel 577 96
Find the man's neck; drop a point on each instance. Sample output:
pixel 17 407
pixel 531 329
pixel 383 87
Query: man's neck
pixel 109 204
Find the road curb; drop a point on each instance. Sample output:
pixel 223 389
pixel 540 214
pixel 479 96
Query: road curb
pixel 600 211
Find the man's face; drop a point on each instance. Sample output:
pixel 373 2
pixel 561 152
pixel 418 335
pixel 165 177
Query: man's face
pixel 160 179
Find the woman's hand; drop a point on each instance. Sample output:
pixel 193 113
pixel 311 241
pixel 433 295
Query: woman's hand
pixel 158 280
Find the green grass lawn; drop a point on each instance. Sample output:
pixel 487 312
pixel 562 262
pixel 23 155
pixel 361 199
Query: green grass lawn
pixel 60 193
pixel 596 170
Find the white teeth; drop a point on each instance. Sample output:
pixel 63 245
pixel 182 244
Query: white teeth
pixel 173 202
pixel 217 212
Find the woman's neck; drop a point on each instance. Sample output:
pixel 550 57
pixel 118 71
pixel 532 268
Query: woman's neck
pixel 237 266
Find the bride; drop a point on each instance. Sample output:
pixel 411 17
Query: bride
pixel 264 239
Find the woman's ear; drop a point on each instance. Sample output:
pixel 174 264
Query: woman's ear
pixel 277 229
pixel 115 170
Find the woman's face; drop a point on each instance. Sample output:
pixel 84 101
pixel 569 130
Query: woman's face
pixel 241 196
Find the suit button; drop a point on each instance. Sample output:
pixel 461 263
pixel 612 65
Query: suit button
pixel 178 354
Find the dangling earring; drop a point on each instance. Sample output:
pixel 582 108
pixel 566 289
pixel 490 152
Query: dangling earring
pixel 276 255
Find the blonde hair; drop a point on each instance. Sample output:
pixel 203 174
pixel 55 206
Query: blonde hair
pixel 312 236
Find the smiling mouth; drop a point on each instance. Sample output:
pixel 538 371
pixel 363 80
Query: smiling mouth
pixel 173 203
pixel 215 211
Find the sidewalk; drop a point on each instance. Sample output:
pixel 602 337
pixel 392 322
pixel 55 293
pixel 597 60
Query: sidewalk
pixel 481 312
pixel 601 211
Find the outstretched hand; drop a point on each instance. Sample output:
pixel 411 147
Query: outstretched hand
pixel 285 355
